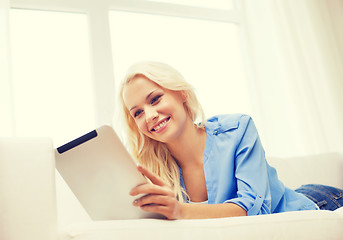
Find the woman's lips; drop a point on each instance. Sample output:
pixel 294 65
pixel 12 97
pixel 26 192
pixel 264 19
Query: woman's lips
pixel 161 125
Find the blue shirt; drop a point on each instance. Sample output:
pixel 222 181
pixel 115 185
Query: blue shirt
pixel 236 169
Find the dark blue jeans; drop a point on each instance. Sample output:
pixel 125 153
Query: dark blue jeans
pixel 326 197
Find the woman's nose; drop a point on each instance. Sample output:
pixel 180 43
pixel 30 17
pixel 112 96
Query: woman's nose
pixel 150 114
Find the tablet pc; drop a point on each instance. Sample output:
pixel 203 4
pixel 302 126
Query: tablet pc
pixel 101 173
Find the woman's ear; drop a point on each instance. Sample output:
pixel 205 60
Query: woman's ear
pixel 184 96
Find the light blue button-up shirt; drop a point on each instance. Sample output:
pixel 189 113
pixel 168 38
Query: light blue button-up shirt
pixel 236 169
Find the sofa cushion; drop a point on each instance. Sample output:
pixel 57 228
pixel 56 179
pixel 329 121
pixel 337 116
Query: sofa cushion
pixel 291 225
pixel 323 169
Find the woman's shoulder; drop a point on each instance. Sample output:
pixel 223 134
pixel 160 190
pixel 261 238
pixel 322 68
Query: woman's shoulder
pixel 225 122
pixel 229 118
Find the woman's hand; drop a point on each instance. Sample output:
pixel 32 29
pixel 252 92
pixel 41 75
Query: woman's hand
pixel 159 199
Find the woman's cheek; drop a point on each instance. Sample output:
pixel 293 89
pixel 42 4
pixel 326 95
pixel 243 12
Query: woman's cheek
pixel 142 126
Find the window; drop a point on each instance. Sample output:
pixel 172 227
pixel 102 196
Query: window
pixel 207 53
pixel 216 4
pixel 52 87
pixel 55 53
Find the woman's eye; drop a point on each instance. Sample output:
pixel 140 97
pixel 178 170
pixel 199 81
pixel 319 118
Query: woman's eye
pixel 137 113
pixel 155 99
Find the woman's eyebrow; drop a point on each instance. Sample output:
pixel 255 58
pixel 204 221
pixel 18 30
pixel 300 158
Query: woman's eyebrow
pixel 146 98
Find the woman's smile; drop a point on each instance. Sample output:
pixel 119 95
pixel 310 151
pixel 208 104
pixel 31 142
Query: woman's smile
pixel 159 127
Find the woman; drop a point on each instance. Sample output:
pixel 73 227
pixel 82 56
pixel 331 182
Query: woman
pixel 220 162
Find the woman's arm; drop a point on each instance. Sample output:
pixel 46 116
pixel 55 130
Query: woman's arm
pixel 161 199
pixel 198 211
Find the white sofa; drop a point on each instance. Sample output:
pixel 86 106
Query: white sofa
pixel 36 204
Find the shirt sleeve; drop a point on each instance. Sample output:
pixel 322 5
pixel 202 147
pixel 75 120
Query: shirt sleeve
pixel 253 192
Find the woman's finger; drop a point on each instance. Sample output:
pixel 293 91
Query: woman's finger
pixel 153 178
pixel 149 188
pixel 152 199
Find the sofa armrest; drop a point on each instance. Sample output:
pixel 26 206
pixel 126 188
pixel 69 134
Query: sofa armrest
pixel 27 190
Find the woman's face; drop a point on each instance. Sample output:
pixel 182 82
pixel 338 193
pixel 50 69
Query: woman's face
pixel 159 113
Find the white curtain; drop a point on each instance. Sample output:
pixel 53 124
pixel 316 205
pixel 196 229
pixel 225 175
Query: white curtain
pixel 295 73
pixel 6 118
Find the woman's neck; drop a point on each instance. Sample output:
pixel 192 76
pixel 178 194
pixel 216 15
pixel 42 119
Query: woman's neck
pixel 189 149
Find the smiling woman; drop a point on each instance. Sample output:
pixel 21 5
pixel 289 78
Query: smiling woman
pixel 219 162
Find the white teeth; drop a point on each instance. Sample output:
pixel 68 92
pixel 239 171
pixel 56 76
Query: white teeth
pixel 161 125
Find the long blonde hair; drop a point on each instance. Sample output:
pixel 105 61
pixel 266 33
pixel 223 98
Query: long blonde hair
pixel 148 152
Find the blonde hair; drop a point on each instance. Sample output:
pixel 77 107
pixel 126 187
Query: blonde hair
pixel 148 152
